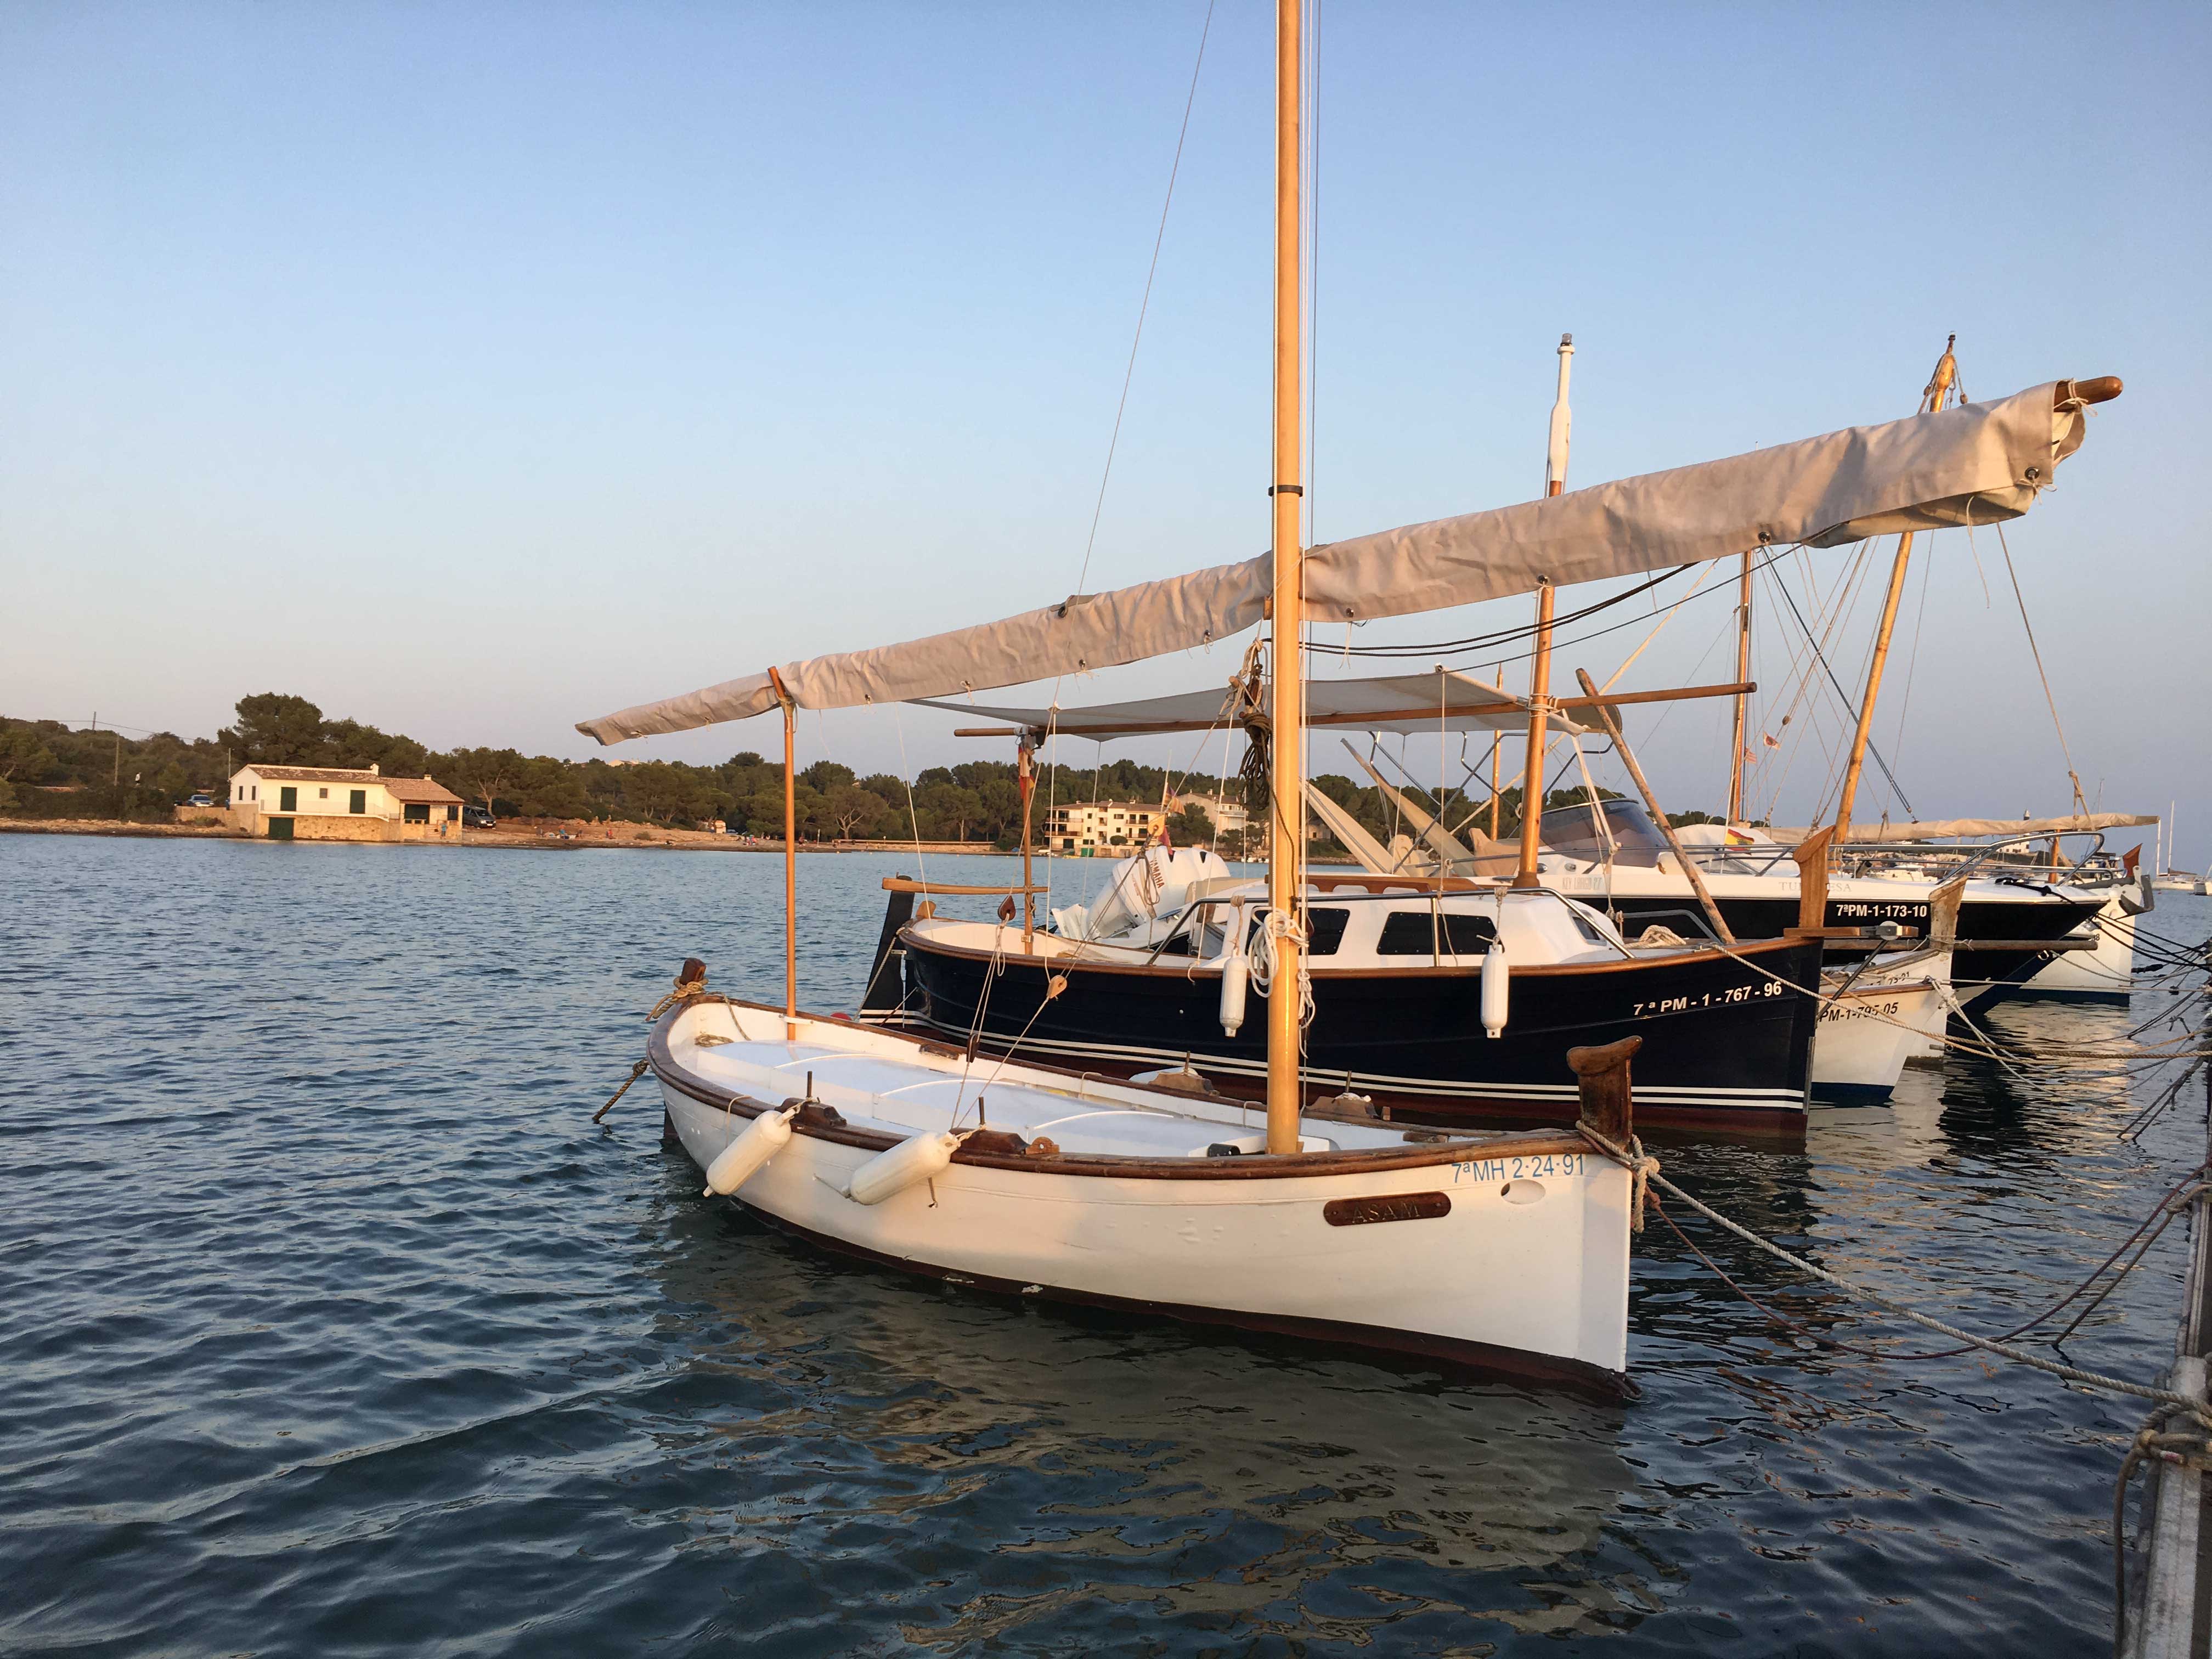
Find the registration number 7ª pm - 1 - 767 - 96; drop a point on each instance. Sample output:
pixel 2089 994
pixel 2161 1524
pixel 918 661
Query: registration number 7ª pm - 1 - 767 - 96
pixel 1514 1168
pixel 1683 1005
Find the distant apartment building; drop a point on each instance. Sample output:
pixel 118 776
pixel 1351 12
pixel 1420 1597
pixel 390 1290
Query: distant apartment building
pixel 330 802
pixel 1091 827
pixel 1229 817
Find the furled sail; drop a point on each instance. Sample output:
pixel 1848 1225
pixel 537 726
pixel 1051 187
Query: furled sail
pixel 1973 828
pixel 1974 464
pixel 1441 700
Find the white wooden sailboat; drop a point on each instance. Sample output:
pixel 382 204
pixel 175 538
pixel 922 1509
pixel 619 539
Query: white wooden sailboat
pixel 1508 1253
pixel 1509 1249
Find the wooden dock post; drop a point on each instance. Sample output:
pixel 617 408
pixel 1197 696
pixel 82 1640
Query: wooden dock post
pixel 1601 1079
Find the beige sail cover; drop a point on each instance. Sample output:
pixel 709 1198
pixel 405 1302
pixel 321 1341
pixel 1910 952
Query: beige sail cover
pixel 1971 829
pixel 1973 464
pixel 1441 700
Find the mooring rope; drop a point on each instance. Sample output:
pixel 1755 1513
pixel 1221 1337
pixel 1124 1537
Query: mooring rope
pixel 1629 1160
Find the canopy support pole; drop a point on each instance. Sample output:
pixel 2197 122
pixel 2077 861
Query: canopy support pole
pixel 790 858
pixel 1742 698
pixel 1651 805
pixel 1931 399
pixel 1286 772
pixel 1532 782
pixel 1496 801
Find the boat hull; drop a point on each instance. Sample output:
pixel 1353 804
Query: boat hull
pixel 1530 1233
pixel 1725 1043
pixel 1866 1036
pixel 1980 977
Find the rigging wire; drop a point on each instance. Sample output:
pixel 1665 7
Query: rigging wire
pixel 1144 304
pixel 1846 696
pixel 2079 805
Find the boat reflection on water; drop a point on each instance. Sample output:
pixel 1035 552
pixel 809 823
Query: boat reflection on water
pixel 1028 1456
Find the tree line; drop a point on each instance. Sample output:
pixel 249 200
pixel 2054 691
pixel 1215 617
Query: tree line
pixel 49 771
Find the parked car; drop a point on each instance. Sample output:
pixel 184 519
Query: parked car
pixel 478 817
pixel 202 799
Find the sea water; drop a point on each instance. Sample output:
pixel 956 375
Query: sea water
pixel 330 1324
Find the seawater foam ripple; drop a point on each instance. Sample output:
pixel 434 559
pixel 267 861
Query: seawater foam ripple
pixel 332 1326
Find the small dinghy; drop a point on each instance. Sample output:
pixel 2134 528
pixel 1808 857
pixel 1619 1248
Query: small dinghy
pixel 1505 1252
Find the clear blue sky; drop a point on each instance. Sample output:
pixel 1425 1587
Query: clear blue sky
pixel 471 370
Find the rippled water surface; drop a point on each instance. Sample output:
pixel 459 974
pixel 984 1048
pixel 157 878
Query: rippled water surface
pixel 330 1324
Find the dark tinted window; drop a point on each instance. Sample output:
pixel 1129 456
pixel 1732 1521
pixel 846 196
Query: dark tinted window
pixel 1324 929
pixel 1415 934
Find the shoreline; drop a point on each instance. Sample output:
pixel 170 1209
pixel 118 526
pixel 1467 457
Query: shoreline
pixel 638 838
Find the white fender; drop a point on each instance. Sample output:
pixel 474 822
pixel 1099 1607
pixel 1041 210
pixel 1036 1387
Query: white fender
pixel 1494 976
pixel 1235 969
pixel 746 1155
pixel 915 1159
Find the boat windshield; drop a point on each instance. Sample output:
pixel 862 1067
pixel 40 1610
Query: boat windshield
pixel 1636 840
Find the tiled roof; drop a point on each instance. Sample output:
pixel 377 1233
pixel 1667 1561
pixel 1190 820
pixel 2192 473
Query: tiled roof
pixel 418 790
pixel 317 774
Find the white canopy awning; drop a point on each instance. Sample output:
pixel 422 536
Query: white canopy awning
pixel 1438 701
pixel 1973 464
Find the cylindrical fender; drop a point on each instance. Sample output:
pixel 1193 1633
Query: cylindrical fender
pixel 1494 986
pixel 1235 969
pixel 914 1160
pixel 746 1155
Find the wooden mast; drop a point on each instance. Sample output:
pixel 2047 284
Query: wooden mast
pixel 1540 680
pixel 1931 400
pixel 1286 768
pixel 1742 698
pixel 790 856
pixel 1026 779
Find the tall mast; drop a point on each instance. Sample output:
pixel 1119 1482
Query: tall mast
pixel 1540 679
pixel 1931 400
pixel 1742 698
pixel 1286 768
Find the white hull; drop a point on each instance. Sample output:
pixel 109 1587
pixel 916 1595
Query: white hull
pixel 1868 1033
pixel 1524 1264
pixel 2107 973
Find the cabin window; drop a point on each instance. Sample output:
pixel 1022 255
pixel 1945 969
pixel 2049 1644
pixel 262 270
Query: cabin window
pixel 1324 929
pixel 452 812
pixel 357 801
pixel 1426 932
pixel 417 811
pixel 322 794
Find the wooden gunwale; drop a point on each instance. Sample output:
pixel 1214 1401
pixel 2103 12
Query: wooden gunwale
pixel 1283 1166
pixel 1186 966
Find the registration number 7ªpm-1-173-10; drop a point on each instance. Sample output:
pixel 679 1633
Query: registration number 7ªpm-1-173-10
pixel 1515 1169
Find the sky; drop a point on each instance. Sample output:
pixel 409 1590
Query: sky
pixel 473 370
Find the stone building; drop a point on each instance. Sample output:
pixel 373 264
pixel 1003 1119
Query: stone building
pixel 330 803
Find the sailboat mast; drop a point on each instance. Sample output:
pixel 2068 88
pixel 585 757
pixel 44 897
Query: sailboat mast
pixel 1286 769
pixel 1939 388
pixel 1540 679
pixel 1742 698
